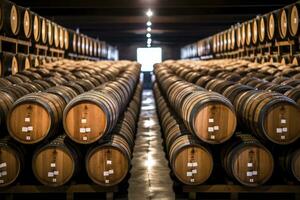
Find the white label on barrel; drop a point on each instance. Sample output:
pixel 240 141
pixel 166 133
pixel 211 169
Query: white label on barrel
pixel 195 164
pixel 282 137
pixel 3 165
pixel 56 173
pixel 27 119
pixel 28 137
pixel 194 171
pixel 192 180
pixel 4 173
pixel 251 180
pixel 52 165
pixel 87 130
pixel 82 130
pixel 211 120
pixel 83 121
pixel 189 173
pixel 279 130
pixel 254 173
pixel 106 173
pixel 54 180
pixel 283 121
pixel 30 128
pixel 249 173
pixel 285 129
pixel 216 128
pixel 1 181
pixel 106 181
pixel 210 129
pixel 84 138
pixel 111 171
pixel 190 164
pixel 50 174
pixel 250 164
pixel 212 137
pixel 24 129
pixel 109 162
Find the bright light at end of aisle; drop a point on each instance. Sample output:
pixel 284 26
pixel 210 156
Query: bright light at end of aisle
pixel 148 35
pixel 149 23
pixel 149 13
pixel 149 29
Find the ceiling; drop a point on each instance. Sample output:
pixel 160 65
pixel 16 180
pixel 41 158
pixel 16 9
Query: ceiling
pixel 174 21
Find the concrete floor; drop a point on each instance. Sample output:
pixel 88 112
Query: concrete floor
pixel 150 174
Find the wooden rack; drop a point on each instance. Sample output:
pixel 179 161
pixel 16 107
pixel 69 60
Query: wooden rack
pixel 72 55
pixel 70 191
pixel 235 190
pixel 16 42
pixel 41 50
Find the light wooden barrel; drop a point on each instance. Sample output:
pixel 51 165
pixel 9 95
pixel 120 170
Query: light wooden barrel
pixel 50 32
pixel 9 64
pixel 36 27
pixel 293 20
pixel 246 160
pixel 23 62
pixel 24 119
pixel 283 23
pixel 44 31
pixel 54 164
pixel 27 23
pixel 56 32
pixel 11 161
pixel 11 18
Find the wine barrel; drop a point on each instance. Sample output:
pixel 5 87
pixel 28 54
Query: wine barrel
pixel 246 160
pixel 9 64
pixel 54 164
pixel 272 26
pixel 50 32
pixel 282 23
pixel 249 36
pixel 269 115
pixel 27 23
pixel 11 18
pixel 23 62
pixel 36 27
pixel 56 35
pixel 78 43
pixel 61 37
pixel 95 50
pixel 11 161
pixel 87 45
pixel 293 20
pixel 238 35
pixel 66 39
pixel 44 31
pixel 72 40
pixel 99 50
pixel 191 162
pixel 243 34
pixel 107 164
pixel 254 28
pixel 34 60
pixel 24 119
pixel 289 162
pixel 83 45
pixel 294 94
pixel 262 24
pixel 91 47
pixel 233 38
pixel 6 102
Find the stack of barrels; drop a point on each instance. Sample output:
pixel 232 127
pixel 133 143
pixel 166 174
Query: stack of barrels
pixel 69 93
pixel 278 25
pixel 23 24
pixel 265 118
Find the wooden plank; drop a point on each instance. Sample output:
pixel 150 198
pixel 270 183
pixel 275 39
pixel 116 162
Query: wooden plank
pixel 13 40
pixel 44 47
pixel 242 189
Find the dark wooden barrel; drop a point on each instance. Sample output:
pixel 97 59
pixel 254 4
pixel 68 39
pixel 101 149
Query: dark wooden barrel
pixel 289 162
pixel 293 20
pixel 24 119
pixel 294 94
pixel 27 23
pixel 11 161
pixel 11 18
pixel 247 161
pixel 50 32
pixel 55 163
pixel 282 23
pixel 9 64
pixel 23 62
pixel 83 44
pixel 37 26
pixel 262 28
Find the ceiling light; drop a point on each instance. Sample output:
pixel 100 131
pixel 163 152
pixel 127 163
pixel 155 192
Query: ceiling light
pixel 148 45
pixel 149 41
pixel 148 35
pixel 149 13
pixel 149 29
pixel 149 23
